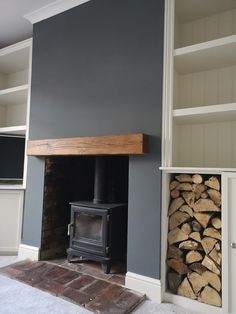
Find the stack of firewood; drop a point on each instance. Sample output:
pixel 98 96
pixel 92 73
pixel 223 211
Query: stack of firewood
pixel 194 238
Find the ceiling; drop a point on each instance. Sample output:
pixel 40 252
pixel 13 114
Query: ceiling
pixel 13 26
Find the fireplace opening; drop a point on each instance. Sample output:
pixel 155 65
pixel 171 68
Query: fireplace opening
pixel 94 191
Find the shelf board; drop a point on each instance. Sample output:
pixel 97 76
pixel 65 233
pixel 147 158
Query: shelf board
pixel 14 95
pixel 205 114
pixel 205 56
pixel 201 170
pixel 13 130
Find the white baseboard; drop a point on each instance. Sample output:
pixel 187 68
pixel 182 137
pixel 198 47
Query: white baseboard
pixel 149 286
pixel 27 251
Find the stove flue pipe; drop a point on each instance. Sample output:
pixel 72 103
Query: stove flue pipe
pixel 100 180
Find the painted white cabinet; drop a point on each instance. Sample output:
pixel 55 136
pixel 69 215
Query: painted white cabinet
pixel 11 208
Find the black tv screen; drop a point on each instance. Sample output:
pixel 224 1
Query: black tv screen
pixel 11 157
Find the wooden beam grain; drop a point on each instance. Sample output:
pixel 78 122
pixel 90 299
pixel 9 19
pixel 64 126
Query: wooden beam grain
pixel 130 144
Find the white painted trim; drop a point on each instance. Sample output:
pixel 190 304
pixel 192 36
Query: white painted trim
pixel 149 286
pixel 8 251
pixel 196 170
pixel 52 9
pixel 192 305
pixel 168 68
pixel 27 251
pixel 15 47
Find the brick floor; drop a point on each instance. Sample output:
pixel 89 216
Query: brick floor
pixel 83 284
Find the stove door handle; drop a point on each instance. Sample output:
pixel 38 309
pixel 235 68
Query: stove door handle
pixel 233 245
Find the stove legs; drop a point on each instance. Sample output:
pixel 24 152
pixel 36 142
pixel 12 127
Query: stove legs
pixel 106 267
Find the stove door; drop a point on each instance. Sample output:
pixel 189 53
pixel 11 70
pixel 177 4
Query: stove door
pixel 89 230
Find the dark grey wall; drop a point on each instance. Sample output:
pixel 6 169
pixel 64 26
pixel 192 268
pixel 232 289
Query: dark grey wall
pixel 97 70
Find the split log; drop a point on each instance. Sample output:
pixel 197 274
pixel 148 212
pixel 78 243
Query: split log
pixel 197 282
pixel 198 268
pixel 213 233
pixel 186 290
pixel 173 185
pixel 202 218
pixel 174 193
pixel 213 183
pixel 209 264
pixel 174 252
pixel 215 196
pixel 196 226
pixel 193 257
pixel 174 281
pixel 187 209
pixel 178 266
pixel 210 296
pixel 188 245
pixel 176 235
pixel 176 219
pixel 206 205
pixel 195 236
pixel 197 178
pixel 212 279
pixel 208 244
pixel 217 246
pixel 189 198
pixel 184 187
pixel 216 256
pixel 198 189
pixel 175 205
pixel 186 228
pixel 216 223
pixel 184 178
pixel 204 195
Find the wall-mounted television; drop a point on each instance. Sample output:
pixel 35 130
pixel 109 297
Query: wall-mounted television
pixel 12 151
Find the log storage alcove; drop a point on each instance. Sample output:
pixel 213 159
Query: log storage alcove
pixel 194 238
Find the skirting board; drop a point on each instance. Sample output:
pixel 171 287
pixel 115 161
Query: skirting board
pixel 27 251
pixel 149 286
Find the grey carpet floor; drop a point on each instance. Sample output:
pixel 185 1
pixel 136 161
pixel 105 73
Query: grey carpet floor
pixel 18 298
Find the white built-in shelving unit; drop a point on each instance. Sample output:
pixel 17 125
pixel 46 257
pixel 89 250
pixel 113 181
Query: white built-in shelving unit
pixel 199 117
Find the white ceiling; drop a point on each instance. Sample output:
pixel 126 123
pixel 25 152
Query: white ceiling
pixel 13 26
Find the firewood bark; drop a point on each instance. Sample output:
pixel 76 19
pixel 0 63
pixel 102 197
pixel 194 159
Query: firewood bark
pixel 176 235
pixel 178 266
pixel 202 218
pixel 174 193
pixel 213 183
pixel 174 281
pixel 212 279
pixel 186 290
pixel 184 187
pixel 215 196
pixel 186 228
pixel 189 198
pixel 184 178
pixel 193 257
pixel 198 268
pixel 176 219
pixel 174 252
pixel 197 178
pixel 195 236
pixel 208 244
pixel 209 264
pixel 216 256
pixel 198 189
pixel 196 226
pixel 173 185
pixel 206 205
pixel 216 223
pixel 210 296
pixel 188 245
pixel 213 233
pixel 197 282
pixel 187 209
pixel 175 205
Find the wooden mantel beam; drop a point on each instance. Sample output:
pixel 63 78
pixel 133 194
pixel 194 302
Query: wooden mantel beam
pixel 130 144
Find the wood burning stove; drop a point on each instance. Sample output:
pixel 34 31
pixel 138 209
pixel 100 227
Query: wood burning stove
pixel 98 228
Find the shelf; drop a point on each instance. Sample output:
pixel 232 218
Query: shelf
pixel 205 56
pixel 13 130
pixel 200 170
pixel 205 114
pixel 14 95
